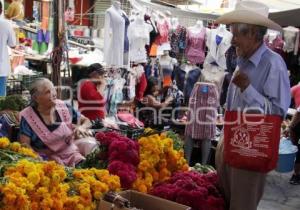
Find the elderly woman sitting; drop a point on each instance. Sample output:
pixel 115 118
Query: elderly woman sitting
pixel 47 125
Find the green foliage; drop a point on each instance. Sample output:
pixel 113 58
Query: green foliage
pixel 177 142
pixel 12 102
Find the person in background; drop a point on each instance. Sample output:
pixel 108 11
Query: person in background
pixel 7 38
pixel 49 126
pixel 15 11
pixel 295 93
pixel 294 129
pixel 150 105
pixel 261 76
pixel 91 100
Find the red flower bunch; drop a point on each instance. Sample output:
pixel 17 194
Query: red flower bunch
pixel 193 189
pixel 123 156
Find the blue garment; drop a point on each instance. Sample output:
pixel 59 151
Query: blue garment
pixel 36 142
pixel 185 82
pixel 126 40
pixel 3 86
pixel 218 39
pixel 269 79
pixel 151 69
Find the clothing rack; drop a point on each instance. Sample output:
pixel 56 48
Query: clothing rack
pixel 186 18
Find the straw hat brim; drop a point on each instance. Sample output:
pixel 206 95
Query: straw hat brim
pixel 249 17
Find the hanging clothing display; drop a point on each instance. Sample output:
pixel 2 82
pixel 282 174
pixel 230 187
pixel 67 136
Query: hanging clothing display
pixel 167 66
pixel 116 96
pixel 153 34
pixel 126 40
pixel 114 34
pixel 214 74
pixel 195 50
pixel 275 44
pixel 178 42
pixel 139 37
pixel 202 116
pixel 138 82
pixel 186 80
pixel 163 29
pixel 291 38
pixel 152 70
pixel 218 42
pixel 141 87
pixel 163 39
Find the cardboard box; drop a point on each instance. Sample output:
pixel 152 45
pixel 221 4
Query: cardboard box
pixel 144 202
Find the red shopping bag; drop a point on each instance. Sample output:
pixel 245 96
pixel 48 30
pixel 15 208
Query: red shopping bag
pixel 251 141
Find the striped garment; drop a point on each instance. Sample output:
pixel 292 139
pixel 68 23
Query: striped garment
pixel 202 114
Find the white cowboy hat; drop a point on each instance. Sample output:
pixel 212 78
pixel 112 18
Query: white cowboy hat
pixel 250 12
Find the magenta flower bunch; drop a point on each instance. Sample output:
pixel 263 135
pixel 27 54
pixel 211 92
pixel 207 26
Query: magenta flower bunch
pixel 199 191
pixel 123 156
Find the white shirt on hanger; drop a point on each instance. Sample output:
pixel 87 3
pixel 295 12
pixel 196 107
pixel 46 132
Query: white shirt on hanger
pixel 114 33
pixel 291 39
pixel 217 50
pixel 139 36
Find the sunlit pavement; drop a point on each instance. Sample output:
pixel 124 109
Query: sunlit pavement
pixel 279 194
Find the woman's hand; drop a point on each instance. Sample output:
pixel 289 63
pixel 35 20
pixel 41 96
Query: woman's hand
pixel 81 132
pixel 169 100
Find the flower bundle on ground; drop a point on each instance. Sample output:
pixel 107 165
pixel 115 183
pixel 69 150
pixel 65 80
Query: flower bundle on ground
pixel 158 161
pixel 193 189
pixel 123 156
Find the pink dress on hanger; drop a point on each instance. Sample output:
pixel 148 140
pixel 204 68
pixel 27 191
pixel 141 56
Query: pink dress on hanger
pixel 276 45
pixel 163 29
pixel 195 51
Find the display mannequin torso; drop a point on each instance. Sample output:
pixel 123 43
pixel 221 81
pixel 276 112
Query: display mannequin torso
pixel 195 51
pixel 218 42
pixel 114 30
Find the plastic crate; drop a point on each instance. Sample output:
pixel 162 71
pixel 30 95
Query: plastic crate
pixel 14 87
pixel 27 80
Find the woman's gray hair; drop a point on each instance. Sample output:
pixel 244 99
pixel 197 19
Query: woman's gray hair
pixel 35 88
pixel 244 28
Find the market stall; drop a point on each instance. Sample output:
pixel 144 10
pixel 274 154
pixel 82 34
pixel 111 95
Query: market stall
pixel 149 110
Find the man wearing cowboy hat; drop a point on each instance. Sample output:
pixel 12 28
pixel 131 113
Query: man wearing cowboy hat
pixel 262 74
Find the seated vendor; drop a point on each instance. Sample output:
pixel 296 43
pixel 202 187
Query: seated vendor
pixel 150 105
pixel 91 101
pixel 47 125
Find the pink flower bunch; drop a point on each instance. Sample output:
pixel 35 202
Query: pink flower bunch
pixel 193 189
pixel 123 156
